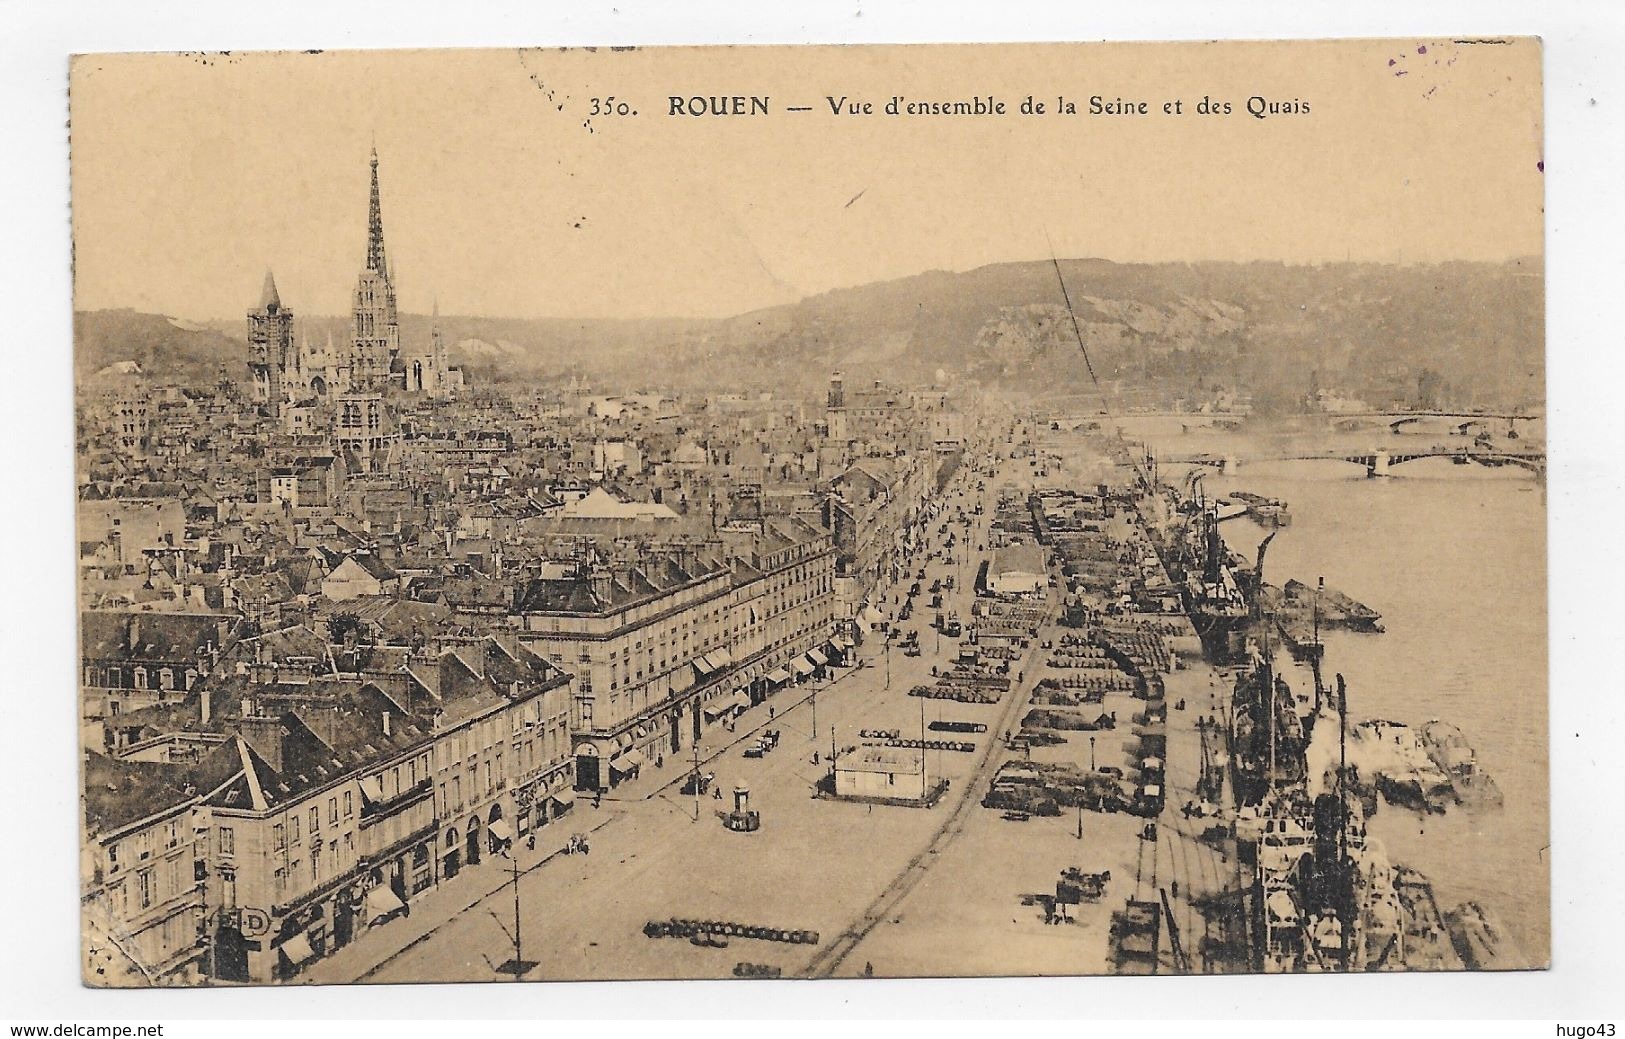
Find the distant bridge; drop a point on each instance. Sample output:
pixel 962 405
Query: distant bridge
pixel 1346 420
pixel 1376 463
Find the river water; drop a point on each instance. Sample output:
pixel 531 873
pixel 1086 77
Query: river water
pixel 1454 558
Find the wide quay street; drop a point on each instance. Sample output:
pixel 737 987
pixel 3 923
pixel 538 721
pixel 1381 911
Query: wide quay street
pixel 656 853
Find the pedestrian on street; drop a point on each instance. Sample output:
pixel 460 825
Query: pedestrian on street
pixel 597 798
pixel 772 712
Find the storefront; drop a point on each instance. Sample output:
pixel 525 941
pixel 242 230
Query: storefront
pixel 381 904
pixel 563 802
pixel 294 954
pixel 626 765
pixel 301 939
pixel 839 649
pixel 775 678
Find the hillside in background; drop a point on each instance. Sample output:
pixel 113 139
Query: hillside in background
pixel 167 350
pixel 1460 333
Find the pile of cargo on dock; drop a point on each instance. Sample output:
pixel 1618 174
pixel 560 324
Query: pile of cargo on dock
pixel 1068 691
pixel 993 621
pixel 960 692
pixel 1075 721
pixel 1139 647
pixel 1040 788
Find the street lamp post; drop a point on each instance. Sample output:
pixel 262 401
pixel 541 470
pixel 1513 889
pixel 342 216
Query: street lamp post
pixel 923 787
pixel 518 943
pixel 1091 753
pixel 696 780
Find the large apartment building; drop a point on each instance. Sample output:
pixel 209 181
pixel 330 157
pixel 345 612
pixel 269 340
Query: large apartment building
pixel 678 633
pixel 299 809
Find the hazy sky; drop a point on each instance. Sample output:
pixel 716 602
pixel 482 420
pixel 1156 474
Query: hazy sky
pixel 193 174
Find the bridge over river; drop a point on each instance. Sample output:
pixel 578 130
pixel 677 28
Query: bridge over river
pixel 1376 463
pixel 1461 422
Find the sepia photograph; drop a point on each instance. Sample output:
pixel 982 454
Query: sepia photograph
pixel 810 512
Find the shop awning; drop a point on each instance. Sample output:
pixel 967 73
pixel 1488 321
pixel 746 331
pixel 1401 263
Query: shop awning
pixel 703 665
pixel 778 675
pixel 841 642
pixel 818 658
pixel 382 900
pixel 721 658
pixel 719 706
pixel 564 799
pixel 871 616
pixel 627 762
pixel 501 830
pixel 297 949
pixel 801 666
pixel 741 698
pixel 372 788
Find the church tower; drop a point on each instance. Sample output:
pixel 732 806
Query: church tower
pixel 835 411
pixel 375 341
pixel 441 364
pixel 270 345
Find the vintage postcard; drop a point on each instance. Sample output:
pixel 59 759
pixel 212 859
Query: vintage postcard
pixel 811 512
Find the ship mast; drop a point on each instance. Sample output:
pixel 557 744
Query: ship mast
pixel 1346 884
pixel 1314 654
pixel 1269 700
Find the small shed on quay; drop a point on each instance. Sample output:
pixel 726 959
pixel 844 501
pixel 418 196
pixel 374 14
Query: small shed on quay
pixel 893 773
pixel 1017 570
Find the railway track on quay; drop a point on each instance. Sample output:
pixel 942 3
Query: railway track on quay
pixel 830 958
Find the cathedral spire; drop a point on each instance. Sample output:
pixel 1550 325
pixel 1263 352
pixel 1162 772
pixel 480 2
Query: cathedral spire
pixel 268 294
pixel 375 226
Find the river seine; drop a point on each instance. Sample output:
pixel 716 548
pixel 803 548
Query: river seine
pixel 1454 558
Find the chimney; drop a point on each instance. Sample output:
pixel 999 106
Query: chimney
pixel 203 706
pixel 266 736
pixel 135 631
pixel 600 577
pixel 386 724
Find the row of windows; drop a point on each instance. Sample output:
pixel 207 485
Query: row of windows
pixel 152 885
pixel 284 875
pixel 282 834
pixel 138 677
pixel 142 846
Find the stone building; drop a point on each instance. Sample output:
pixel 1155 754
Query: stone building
pixel 665 639
pixel 270 348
